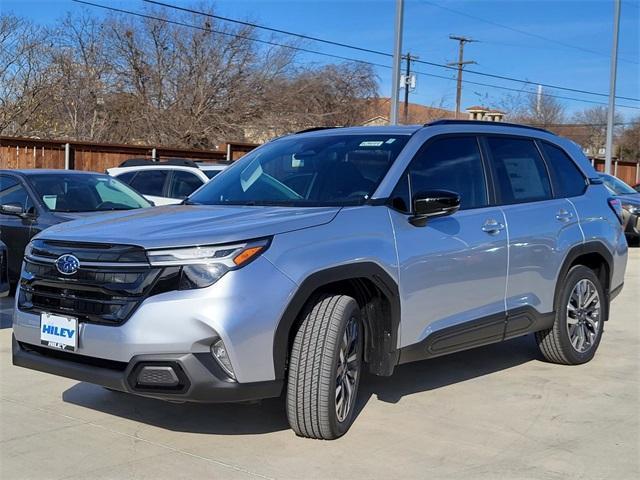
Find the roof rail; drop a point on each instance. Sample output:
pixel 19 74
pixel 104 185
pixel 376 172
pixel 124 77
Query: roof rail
pixel 178 162
pixel 314 129
pixel 485 123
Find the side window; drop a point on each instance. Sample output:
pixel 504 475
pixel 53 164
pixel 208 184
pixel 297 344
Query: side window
pixel 569 180
pixel 126 177
pixel 521 172
pixel 451 163
pixel 150 182
pixel 12 191
pixel 183 184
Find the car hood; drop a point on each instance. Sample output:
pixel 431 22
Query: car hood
pixel 187 225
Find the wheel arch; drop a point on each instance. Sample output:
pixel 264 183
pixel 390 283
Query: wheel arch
pixel 594 255
pixel 378 296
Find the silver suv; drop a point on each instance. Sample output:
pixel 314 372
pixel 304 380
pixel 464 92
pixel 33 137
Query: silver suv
pixel 325 253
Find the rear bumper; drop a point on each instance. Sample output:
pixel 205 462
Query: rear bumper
pixel 200 378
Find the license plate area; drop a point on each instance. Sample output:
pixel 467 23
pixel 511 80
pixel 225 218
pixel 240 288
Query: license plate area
pixel 59 331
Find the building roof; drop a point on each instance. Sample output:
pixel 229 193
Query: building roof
pixel 379 108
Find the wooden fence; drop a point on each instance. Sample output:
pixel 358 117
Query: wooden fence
pixel 34 153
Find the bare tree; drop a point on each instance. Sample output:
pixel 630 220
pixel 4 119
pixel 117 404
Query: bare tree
pixel 24 73
pixel 629 142
pixel 592 131
pixel 193 83
pixel 545 112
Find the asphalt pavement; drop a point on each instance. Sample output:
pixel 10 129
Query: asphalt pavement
pixel 494 412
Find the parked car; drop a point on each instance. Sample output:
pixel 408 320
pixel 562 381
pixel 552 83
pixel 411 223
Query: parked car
pixel 636 187
pixel 33 200
pixel 630 201
pixel 4 272
pixel 168 182
pixel 322 254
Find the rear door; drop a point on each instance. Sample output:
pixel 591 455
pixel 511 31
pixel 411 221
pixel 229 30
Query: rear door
pixel 542 226
pixel 182 184
pixel 453 270
pixel 153 184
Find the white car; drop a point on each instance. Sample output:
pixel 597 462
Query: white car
pixel 168 182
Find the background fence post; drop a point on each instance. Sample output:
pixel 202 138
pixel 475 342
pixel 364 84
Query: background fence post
pixel 67 156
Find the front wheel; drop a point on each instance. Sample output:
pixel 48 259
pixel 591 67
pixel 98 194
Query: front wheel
pixel 580 314
pixel 325 368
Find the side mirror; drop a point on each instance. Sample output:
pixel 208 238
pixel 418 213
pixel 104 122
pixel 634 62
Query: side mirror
pixel 435 203
pixel 14 209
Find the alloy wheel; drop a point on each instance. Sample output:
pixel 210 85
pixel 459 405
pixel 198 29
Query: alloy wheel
pixel 348 370
pixel 583 315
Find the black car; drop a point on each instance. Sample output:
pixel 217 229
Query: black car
pixel 4 273
pixel 32 200
pixel 630 200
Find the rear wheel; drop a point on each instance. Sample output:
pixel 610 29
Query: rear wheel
pixel 580 314
pixel 325 368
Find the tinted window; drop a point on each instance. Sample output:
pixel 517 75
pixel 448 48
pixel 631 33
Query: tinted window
pixel 306 170
pixel 211 173
pixel 454 164
pixel 126 177
pixel 183 184
pixel 569 180
pixel 150 182
pixel 522 175
pixel 77 192
pixel 12 192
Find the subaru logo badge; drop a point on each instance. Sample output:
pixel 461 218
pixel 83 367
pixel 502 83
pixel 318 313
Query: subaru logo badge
pixel 67 264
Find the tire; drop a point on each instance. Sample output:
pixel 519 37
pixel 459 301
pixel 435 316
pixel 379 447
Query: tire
pixel 564 343
pixel 315 378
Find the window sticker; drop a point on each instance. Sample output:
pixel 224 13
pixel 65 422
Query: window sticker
pixel 372 143
pixel 390 141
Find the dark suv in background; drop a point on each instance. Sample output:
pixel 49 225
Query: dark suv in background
pixel 33 200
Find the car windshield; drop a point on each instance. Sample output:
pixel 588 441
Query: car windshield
pixel 324 170
pixel 77 192
pixel 617 186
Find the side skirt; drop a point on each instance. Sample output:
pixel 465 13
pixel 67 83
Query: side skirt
pixel 483 331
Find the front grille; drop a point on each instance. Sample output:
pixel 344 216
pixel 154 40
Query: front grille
pixel 106 294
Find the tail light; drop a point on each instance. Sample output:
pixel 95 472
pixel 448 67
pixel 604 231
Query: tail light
pixel 616 206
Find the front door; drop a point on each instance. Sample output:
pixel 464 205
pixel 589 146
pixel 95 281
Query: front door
pixel 452 270
pixel 15 231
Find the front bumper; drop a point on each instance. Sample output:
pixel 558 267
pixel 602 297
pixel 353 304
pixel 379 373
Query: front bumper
pixel 200 377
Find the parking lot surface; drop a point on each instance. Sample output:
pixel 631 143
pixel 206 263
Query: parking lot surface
pixel 494 412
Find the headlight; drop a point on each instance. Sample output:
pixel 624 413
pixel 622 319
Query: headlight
pixel 203 266
pixel 633 209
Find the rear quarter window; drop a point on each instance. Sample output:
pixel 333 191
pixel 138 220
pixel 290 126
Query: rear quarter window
pixel 569 181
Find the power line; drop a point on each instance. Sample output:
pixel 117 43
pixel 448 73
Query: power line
pixel 528 82
pixel 378 52
pixel 523 32
pixel 518 90
pixel 235 35
pixel 316 52
pixel 270 29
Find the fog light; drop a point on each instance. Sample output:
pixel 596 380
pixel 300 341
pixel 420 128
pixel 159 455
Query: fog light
pixel 219 352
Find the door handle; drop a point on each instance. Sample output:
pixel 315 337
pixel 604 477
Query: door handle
pixel 564 215
pixel 492 227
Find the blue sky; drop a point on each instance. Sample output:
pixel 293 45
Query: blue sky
pixel 369 23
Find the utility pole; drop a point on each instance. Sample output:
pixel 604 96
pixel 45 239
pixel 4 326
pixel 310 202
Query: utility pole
pixel 612 87
pixel 397 60
pixel 408 83
pixel 460 64
pixel 539 101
